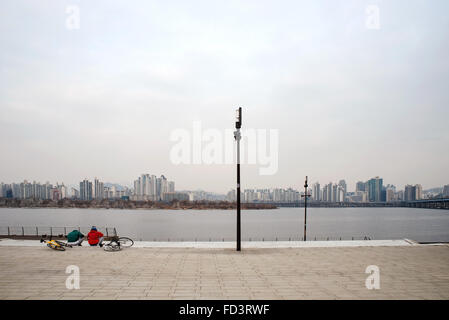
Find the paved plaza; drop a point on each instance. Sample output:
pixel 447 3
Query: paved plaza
pixel 407 271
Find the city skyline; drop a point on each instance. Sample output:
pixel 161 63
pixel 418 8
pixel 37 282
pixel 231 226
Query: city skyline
pixel 149 187
pixel 349 185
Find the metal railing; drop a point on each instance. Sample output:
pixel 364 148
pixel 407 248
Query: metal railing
pixel 26 231
pixel 38 231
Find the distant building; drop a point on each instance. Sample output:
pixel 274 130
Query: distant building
pixel 344 188
pixel 360 186
pixel 341 194
pixel 55 194
pixel 418 192
pixel 108 192
pixel 359 196
pixel 390 195
pixel 163 187
pixel 409 193
pixel 85 190
pixel 27 190
pixel 98 190
pixel 327 192
pixel 446 191
pixel 148 187
pixel 3 189
pixel 412 193
pixel 62 191
pixel 363 196
pixel 316 192
pixel 171 196
pixel 334 193
pixel 383 195
pixel 74 193
pixel 375 186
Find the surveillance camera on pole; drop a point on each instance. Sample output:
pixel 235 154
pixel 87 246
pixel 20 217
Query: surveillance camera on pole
pixel 238 137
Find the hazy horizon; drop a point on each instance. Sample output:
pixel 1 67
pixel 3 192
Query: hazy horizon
pixel 102 100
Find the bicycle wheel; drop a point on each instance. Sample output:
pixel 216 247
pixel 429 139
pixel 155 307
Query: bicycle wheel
pixel 61 243
pixel 55 247
pixel 125 242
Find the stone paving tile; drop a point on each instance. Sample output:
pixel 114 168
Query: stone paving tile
pixel 406 272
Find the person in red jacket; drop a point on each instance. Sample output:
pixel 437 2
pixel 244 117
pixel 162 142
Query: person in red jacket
pixel 95 237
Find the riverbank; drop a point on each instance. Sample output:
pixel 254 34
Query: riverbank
pixel 130 204
pixel 406 271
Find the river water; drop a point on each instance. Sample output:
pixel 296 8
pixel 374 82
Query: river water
pixel 425 225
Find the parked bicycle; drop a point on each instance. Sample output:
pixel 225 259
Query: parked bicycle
pixel 56 244
pixel 117 243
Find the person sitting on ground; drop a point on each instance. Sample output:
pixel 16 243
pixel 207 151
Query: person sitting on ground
pixel 75 238
pixel 95 237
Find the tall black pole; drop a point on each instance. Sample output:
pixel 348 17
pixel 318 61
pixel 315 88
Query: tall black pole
pixel 305 209
pixel 238 206
pixel 238 125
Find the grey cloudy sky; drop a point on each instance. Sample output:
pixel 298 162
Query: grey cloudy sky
pixel 349 102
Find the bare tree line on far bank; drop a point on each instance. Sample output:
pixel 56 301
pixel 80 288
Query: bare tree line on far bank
pixel 129 204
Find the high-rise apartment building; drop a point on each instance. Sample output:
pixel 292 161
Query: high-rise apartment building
pixel 27 190
pixel 390 194
pixel 329 192
pixel 316 192
pixel 324 193
pixel 409 193
pixel 62 191
pixel 412 193
pixel 344 188
pixel 375 186
pixel 360 186
pixel 341 194
pixel 158 189
pixel 148 187
pixel 85 190
pixel 418 192
pixel 98 190
pixel 334 193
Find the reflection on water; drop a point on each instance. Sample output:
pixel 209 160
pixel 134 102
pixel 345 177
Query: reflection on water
pixel 204 225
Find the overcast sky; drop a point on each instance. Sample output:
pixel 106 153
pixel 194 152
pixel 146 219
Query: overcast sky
pixel 349 102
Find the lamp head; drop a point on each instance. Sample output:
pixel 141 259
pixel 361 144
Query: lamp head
pixel 238 120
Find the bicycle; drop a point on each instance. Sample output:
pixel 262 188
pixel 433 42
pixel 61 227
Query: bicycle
pixel 56 244
pixel 117 243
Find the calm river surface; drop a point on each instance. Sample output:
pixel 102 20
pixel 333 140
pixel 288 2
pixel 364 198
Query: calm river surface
pixel 425 225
